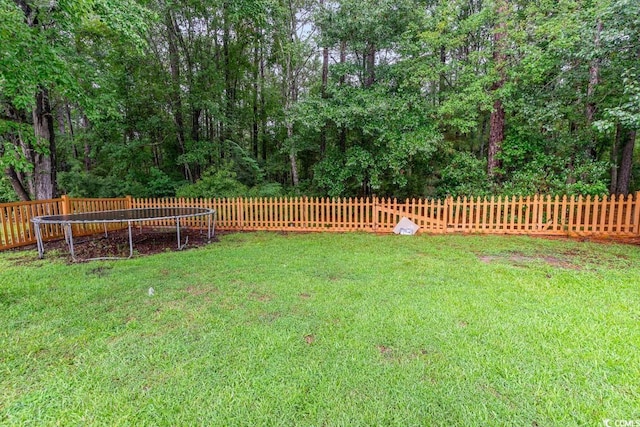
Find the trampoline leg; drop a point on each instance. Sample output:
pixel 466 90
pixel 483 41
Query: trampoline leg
pixel 105 230
pixel 213 223
pixel 39 242
pixel 209 227
pixel 180 245
pixel 130 240
pixel 69 235
pixel 178 231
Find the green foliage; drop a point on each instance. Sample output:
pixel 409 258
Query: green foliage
pixel 387 131
pixel 157 93
pixel 246 168
pixel 218 182
pixel 215 182
pixel 464 175
pixel 6 191
pixel 528 170
pixel 533 164
pixel 341 175
pixel 10 153
pixel 267 189
pixel 627 113
pixel 621 38
pixel 549 177
pixel 78 183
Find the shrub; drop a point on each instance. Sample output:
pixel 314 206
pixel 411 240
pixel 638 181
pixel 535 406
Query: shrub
pixel 220 182
pixel 6 191
pixel 465 175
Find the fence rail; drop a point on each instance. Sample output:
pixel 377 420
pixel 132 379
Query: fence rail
pixel 613 215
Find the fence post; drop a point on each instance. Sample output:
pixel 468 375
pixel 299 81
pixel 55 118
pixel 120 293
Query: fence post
pixel 447 213
pixel 66 205
pixel 129 202
pixel 305 203
pixel 240 213
pixel 376 213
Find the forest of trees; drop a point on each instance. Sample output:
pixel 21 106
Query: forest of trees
pixel 403 98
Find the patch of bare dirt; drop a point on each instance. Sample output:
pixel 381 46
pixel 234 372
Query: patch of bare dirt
pixel 309 339
pixel 605 240
pixel 522 260
pixel 197 291
pixel 101 271
pixel 270 317
pixel 384 350
pixel 487 259
pixel 257 296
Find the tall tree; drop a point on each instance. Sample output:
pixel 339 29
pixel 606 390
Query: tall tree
pixel 620 40
pixel 496 134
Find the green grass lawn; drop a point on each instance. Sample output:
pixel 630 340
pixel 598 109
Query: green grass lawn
pixel 326 329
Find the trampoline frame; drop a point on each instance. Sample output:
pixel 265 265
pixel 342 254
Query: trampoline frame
pixel 115 216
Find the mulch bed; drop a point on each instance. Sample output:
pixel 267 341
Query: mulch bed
pixel 116 243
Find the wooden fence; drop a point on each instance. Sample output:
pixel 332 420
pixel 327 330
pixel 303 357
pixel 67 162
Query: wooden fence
pixel 15 218
pixel 617 216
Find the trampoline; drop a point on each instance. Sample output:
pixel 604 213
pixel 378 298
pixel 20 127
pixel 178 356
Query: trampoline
pixel 128 216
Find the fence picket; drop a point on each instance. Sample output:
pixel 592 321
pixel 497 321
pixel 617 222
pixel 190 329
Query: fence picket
pixel 627 212
pixel 619 206
pixel 636 213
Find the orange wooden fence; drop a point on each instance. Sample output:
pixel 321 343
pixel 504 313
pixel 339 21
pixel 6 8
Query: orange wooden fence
pixel 308 214
pixel 16 228
pixel 611 215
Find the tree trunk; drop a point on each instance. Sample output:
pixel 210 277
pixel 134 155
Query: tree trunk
pixel 196 113
pixel 60 113
pixel 43 179
pixel 370 63
pixel 292 98
pixel 323 89
pixel 342 138
pixel 442 77
pixel 496 135
pixel 292 159
pixel 254 101
pixel 594 71
pixel 157 157
pixel 230 89
pixel 12 175
pixel 22 193
pixel 44 172
pixel 65 117
pixel 626 164
pixel 614 160
pixel 263 108
pixel 26 177
pixel 290 90
pixel 84 125
pixel 176 98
